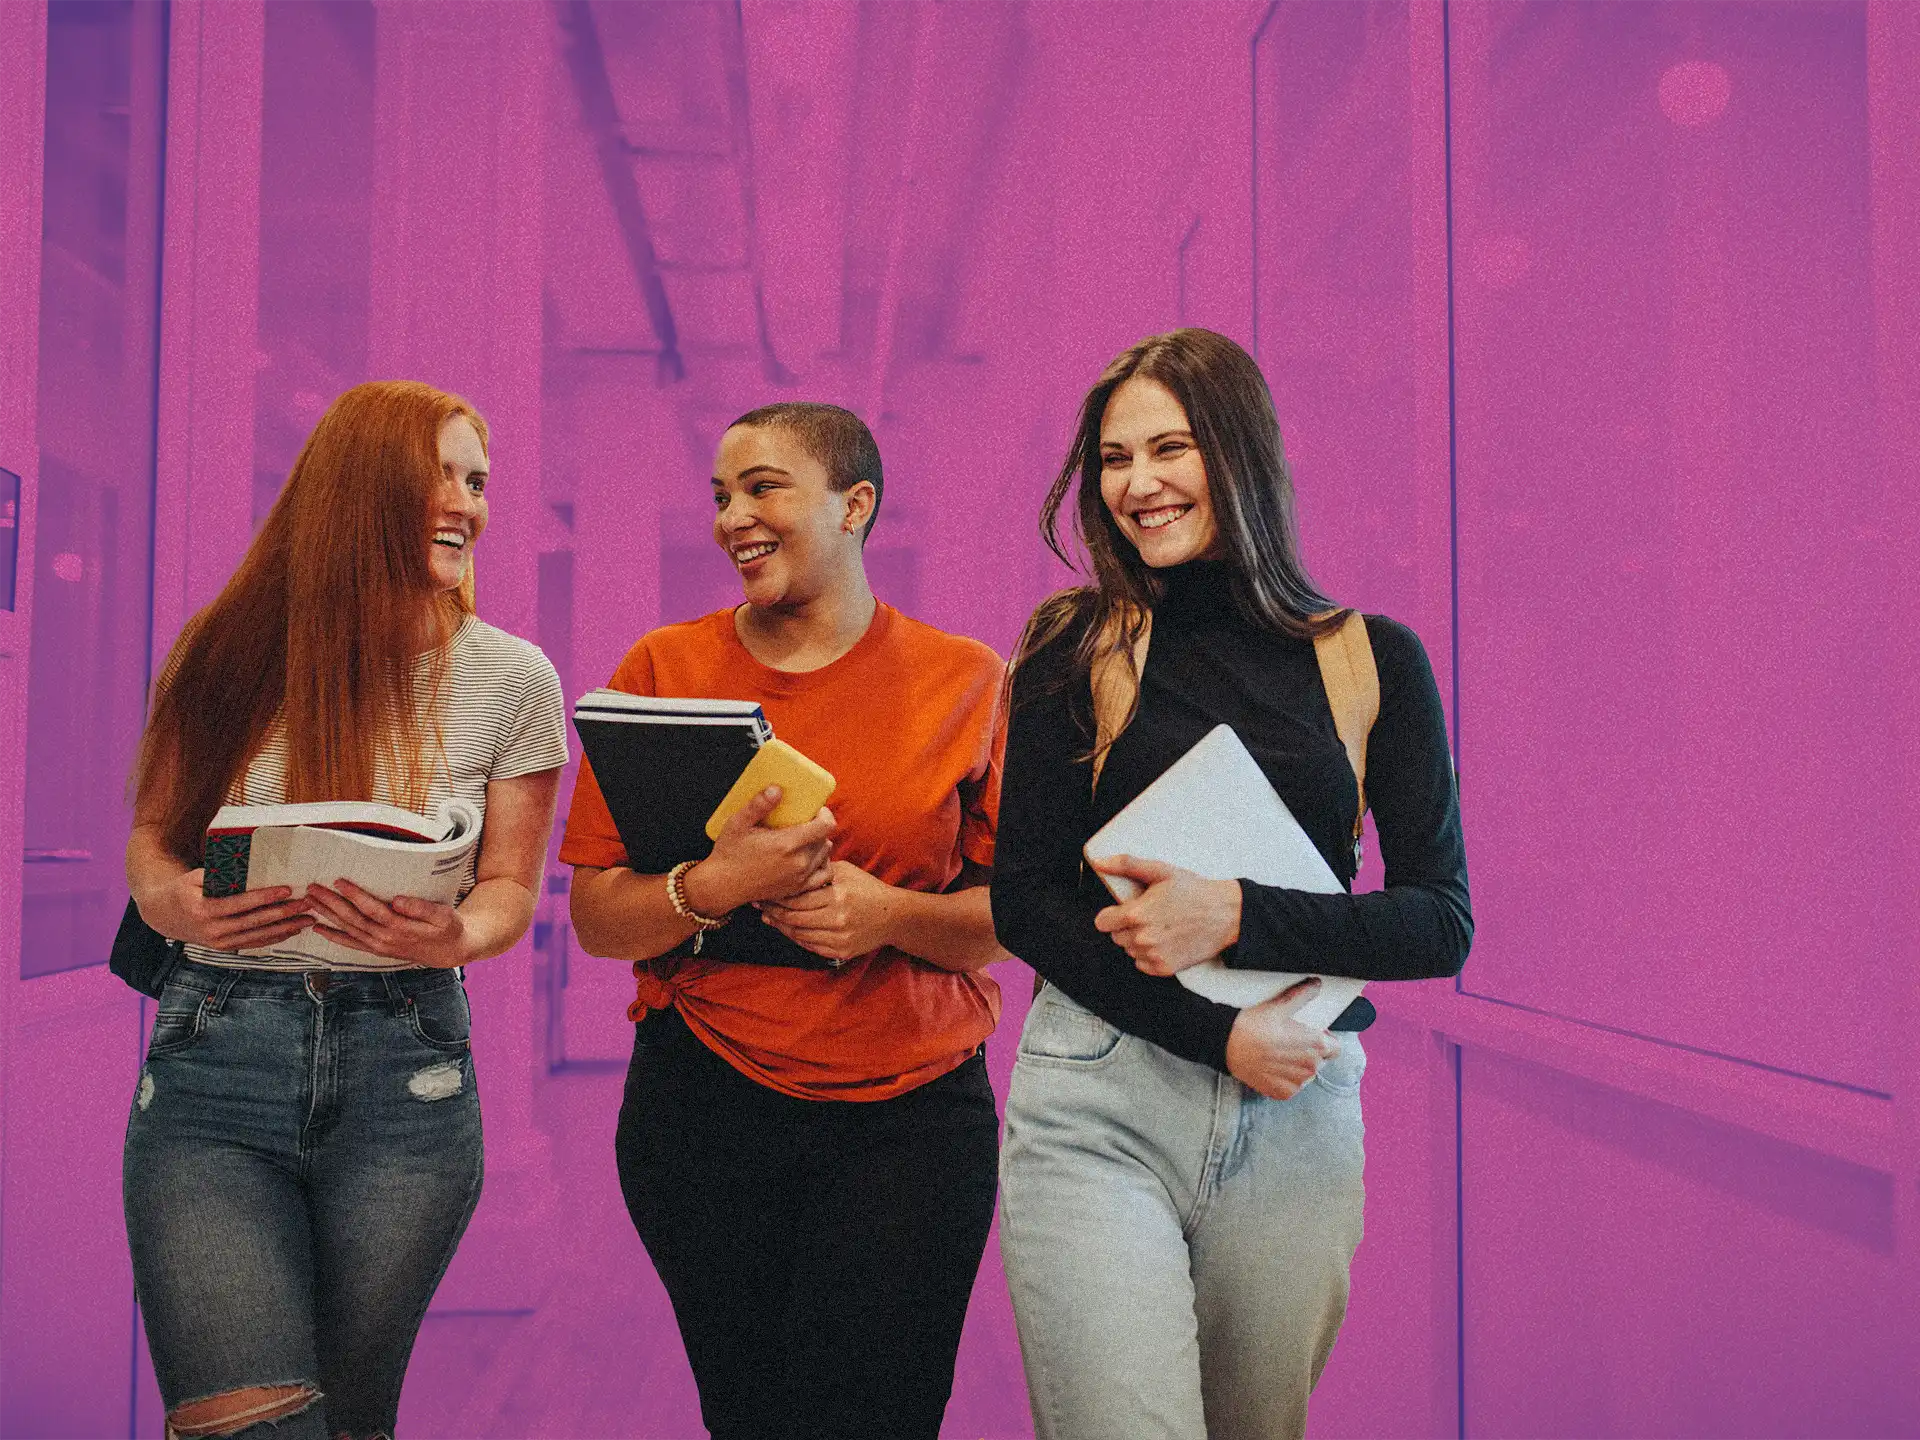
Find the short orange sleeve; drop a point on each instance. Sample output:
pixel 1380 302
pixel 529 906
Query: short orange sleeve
pixel 591 837
pixel 980 790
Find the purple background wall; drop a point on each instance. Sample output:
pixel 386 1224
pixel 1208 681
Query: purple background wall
pixel 1595 338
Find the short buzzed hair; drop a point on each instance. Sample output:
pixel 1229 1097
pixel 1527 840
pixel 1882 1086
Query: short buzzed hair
pixel 837 438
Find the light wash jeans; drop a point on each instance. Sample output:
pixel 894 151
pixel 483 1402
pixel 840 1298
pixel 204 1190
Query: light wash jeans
pixel 1176 1244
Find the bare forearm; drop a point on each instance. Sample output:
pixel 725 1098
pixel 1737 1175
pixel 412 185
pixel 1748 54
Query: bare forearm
pixel 619 914
pixel 953 931
pixel 148 863
pixel 495 914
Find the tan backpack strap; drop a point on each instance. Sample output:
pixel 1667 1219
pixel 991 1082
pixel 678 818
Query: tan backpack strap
pixel 1353 694
pixel 1114 688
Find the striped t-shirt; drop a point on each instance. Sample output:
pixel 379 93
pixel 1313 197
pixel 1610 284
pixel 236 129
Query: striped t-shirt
pixel 501 715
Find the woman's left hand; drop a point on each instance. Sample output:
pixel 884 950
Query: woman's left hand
pixel 420 932
pixel 844 918
pixel 1178 921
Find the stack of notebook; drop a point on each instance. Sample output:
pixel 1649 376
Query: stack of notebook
pixel 672 769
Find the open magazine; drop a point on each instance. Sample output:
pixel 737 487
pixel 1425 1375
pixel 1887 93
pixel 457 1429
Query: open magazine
pixel 384 849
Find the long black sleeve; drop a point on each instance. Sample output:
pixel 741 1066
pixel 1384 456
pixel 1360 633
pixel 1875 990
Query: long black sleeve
pixel 1043 900
pixel 1420 926
pixel 1206 666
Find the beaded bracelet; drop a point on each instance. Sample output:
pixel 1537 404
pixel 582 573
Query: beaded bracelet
pixel 677 897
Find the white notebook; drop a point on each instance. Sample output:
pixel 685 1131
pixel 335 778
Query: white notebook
pixel 1214 812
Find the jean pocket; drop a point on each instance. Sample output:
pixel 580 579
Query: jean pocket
pixel 1059 1032
pixel 1342 1073
pixel 180 1020
pixel 440 1019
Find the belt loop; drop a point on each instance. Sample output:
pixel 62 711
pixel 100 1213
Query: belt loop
pixel 397 998
pixel 222 988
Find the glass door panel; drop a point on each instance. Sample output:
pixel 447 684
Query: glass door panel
pixel 93 583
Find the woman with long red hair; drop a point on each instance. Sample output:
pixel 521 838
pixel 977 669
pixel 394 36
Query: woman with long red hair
pixel 304 1152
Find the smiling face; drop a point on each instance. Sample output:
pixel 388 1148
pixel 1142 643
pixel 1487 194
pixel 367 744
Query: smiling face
pixel 1152 478
pixel 457 512
pixel 788 532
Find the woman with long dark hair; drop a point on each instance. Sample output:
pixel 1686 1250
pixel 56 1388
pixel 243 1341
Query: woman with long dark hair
pixel 303 1152
pixel 808 1148
pixel 1181 1179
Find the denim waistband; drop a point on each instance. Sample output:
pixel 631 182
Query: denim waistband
pixel 388 987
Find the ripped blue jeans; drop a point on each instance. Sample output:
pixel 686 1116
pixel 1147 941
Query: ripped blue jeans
pixel 302 1157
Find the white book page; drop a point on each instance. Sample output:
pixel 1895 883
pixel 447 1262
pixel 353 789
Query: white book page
pixel 331 812
pixel 1215 813
pixel 679 706
pixel 298 856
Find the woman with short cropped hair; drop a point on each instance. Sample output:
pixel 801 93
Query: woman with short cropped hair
pixel 808 1149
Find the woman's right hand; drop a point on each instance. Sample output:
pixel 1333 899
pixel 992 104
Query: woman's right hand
pixel 751 861
pixel 1270 1051
pixel 179 911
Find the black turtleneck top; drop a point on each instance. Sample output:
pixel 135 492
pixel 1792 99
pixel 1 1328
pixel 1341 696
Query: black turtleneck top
pixel 1207 665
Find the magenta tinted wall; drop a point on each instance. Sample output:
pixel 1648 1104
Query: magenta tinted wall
pixel 1594 337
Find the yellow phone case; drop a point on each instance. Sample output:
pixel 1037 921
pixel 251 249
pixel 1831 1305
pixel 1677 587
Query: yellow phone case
pixel 804 787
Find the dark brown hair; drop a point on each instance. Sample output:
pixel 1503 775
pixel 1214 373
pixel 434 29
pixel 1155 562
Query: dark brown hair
pixel 1231 414
pixel 838 439
pixel 320 624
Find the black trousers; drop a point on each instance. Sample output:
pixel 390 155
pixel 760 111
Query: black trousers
pixel 819 1254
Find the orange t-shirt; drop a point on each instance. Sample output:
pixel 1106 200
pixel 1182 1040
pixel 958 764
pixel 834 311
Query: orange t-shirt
pixel 910 722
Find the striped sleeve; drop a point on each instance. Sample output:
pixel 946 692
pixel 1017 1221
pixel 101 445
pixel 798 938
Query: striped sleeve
pixel 536 737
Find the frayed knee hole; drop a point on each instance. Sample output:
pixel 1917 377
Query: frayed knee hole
pixel 235 1410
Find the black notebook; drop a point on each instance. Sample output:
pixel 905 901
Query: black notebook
pixel 663 764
